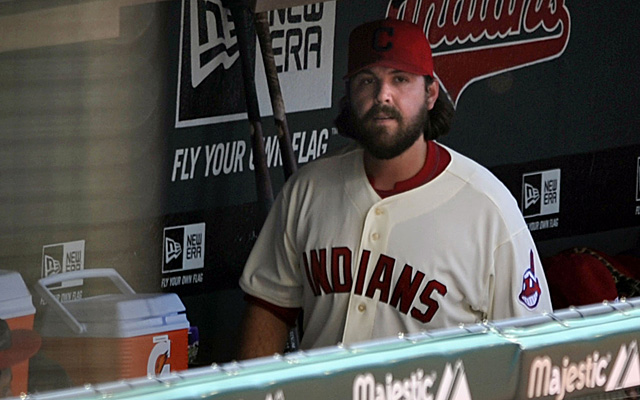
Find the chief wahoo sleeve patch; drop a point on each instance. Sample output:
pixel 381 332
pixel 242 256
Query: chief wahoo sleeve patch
pixel 530 294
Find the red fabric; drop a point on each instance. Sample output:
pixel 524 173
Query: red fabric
pixel 390 43
pixel 578 278
pixel 437 160
pixel 628 265
pixel 287 315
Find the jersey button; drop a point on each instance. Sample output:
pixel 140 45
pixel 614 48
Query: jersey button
pixel 379 211
pixel 361 307
pixel 375 236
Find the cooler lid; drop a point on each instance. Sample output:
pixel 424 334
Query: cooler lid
pixel 124 307
pixel 15 298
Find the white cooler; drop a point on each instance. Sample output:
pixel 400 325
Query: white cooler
pixel 114 336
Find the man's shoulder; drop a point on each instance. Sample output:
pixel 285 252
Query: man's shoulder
pixel 481 183
pixel 472 172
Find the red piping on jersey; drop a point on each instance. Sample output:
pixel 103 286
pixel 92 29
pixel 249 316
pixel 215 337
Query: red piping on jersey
pixel 436 162
pixel 286 315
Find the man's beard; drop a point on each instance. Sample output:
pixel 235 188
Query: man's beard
pixel 372 138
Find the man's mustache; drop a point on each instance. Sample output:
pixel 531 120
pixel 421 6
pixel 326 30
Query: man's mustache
pixel 378 109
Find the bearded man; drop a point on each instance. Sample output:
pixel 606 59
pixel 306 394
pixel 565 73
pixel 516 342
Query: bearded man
pixel 395 234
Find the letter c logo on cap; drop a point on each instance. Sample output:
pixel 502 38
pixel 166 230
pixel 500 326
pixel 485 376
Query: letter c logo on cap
pixel 377 36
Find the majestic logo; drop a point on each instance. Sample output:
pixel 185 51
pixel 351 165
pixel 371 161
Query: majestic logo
pixel 418 386
pixel 278 395
pixel 541 193
pixel 546 379
pixel 475 39
pixel 530 293
pixel 625 372
pixel 61 258
pixel 183 248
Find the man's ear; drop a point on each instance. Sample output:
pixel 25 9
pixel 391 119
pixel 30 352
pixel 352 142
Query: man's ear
pixel 433 90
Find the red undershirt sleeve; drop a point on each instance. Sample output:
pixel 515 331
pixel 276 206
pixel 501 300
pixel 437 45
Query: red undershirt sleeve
pixel 285 314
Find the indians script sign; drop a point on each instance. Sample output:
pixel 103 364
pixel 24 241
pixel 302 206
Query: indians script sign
pixel 475 39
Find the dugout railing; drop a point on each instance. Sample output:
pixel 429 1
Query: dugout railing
pixel 582 352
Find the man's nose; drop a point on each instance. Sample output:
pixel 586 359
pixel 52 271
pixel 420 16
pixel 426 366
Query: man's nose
pixel 383 94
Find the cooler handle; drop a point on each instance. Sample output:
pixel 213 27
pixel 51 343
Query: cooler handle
pixel 43 290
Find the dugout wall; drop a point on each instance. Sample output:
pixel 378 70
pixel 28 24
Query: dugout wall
pixel 123 131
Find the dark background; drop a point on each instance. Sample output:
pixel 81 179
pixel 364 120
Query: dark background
pixel 88 139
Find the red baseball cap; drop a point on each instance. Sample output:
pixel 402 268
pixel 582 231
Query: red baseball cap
pixel 390 43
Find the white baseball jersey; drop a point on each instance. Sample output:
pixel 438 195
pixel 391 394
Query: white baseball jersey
pixel 455 250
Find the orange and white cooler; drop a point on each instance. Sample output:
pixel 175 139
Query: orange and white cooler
pixel 113 336
pixel 16 307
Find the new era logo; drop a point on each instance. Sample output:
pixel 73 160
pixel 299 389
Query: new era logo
pixel 541 193
pixel 213 40
pixel 63 257
pixel 173 250
pixel 531 195
pixel 209 62
pixel 51 266
pixel 183 248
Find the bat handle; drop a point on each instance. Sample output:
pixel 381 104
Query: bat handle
pixel 289 164
pixel 242 19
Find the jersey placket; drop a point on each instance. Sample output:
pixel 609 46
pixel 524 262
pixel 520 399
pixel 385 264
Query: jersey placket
pixel 361 310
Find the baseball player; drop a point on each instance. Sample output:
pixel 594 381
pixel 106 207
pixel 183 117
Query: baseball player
pixel 396 234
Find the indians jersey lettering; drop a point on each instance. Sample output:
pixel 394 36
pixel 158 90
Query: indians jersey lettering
pixel 401 293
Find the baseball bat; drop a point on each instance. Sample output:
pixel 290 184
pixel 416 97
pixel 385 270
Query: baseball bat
pixel 242 18
pixel 260 8
pixel 289 164
pixel 241 11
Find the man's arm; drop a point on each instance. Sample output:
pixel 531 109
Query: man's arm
pixel 520 286
pixel 263 334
